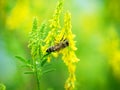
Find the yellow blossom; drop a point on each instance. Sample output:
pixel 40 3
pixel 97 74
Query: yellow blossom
pixel 69 56
pixel 57 35
pixel 112 50
pixel 54 24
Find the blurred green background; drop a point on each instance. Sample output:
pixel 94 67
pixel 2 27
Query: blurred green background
pixel 96 24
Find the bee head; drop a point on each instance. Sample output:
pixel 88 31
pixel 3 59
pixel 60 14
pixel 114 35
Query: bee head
pixel 67 43
pixel 47 50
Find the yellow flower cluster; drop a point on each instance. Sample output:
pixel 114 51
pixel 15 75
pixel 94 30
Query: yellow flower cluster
pixel 55 35
pixel 69 56
pixel 54 24
pixel 113 51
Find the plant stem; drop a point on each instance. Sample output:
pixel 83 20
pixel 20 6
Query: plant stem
pixel 36 74
pixel 37 77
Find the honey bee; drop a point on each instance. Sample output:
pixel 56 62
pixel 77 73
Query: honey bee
pixel 59 46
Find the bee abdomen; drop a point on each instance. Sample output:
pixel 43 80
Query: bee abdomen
pixel 50 49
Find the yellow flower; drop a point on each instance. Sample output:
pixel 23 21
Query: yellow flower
pixel 55 35
pixel 112 51
pixel 50 40
pixel 69 56
pixel 54 24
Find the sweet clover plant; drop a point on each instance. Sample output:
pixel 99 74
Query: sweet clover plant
pixel 49 34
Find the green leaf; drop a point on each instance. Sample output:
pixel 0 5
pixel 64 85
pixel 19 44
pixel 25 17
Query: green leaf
pixel 48 65
pixel 29 61
pixel 21 59
pixel 49 70
pixel 43 62
pixel 45 55
pixel 29 72
pixel 27 65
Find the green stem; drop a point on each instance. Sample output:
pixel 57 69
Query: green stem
pixel 37 77
pixel 36 74
pixel 36 70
